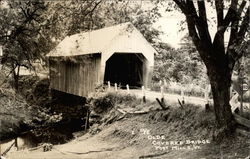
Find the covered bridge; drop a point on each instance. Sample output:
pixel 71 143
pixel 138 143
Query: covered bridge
pixel 119 54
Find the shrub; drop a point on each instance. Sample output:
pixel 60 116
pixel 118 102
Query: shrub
pixel 104 102
pixel 14 113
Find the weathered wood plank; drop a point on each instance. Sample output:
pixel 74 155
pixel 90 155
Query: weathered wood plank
pixel 76 78
pixel 243 132
pixel 242 121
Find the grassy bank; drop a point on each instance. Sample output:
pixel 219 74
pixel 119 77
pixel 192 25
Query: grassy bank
pixel 128 128
pixel 175 124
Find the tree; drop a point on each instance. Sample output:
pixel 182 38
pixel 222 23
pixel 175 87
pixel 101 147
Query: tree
pixel 68 17
pixel 218 58
pixel 180 65
pixel 20 35
pixel 30 29
pixel 109 13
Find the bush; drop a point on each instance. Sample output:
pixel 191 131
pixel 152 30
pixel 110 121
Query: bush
pixel 155 87
pixel 105 102
pixel 15 112
pixel 102 104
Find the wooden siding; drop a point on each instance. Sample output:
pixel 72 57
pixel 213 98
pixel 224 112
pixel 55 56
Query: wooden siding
pixel 78 75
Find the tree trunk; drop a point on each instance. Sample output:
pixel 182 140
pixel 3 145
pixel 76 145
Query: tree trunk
pixel 16 78
pixel 220 80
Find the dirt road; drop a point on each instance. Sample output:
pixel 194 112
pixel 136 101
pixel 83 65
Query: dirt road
pixel 169 98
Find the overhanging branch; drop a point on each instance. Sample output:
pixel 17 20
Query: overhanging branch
pixel 205 35
pixel 219 5
pixel 181 4
pixel 244 26
pixel 235 25
pixel 194 24
pixel 233 52
pixel 219 36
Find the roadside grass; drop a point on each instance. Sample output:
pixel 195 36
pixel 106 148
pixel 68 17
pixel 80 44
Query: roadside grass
pixel 191 122
pixel 104 102
pixel 177 88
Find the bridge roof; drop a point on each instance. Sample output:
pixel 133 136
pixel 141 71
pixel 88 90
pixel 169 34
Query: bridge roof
pixel 119 38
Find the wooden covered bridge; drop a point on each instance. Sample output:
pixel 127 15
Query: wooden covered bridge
pixel 119 54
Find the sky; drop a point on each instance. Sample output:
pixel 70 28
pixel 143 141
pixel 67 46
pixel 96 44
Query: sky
pixel 169 23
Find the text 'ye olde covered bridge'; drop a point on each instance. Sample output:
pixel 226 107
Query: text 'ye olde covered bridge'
pixel 119 54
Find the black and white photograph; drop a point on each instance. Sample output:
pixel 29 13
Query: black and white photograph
pixel 124 79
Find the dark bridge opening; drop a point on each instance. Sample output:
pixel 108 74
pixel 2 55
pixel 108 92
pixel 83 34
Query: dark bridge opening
pixel 125 68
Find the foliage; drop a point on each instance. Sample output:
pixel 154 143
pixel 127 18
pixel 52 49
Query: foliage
pixel 141 14
pixel 218 58
pixel 103 103
pixel 14 112
pixel 68 17
pixel 179 65
pixel 18 116
pixel 23 43
pixel 244 62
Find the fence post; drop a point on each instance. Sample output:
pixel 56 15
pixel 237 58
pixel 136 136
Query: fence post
pixel 182 95
pixel 116 87
pixel 206 100
pixel 87 120
pixel 162 93
pixel 108 85
pixel 127 88
pixel 143 94
pixel 164 82
pixel 16 145
pixel 162 97
pixel 160 82
pixel 206 96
